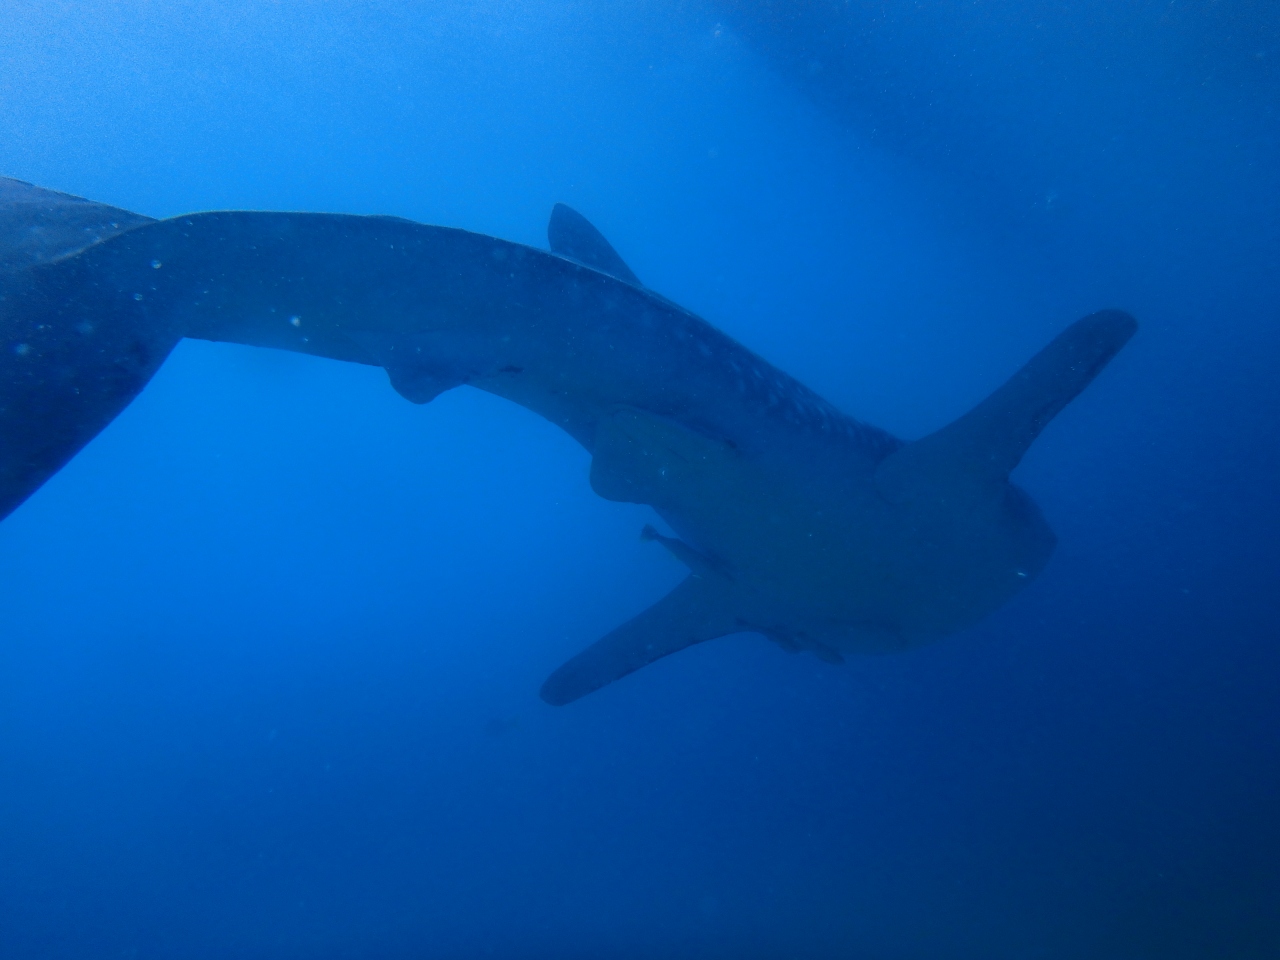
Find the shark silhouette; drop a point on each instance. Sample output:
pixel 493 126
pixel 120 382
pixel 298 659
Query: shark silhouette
pixel 795 520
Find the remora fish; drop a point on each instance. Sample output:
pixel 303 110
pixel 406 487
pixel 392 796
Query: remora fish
pixel 795 520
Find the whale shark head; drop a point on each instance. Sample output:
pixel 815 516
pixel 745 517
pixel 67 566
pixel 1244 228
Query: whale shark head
pixel 974 536
pixel 934 538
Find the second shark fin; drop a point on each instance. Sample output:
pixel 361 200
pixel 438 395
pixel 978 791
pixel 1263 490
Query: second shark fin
pixel 691 613
pixel 571 235
pixel 414 372
pixel 980 449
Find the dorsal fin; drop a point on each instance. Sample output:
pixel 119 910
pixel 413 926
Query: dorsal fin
pixel 982 447
pixel 572 235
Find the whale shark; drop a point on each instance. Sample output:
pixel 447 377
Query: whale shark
pixel 795 520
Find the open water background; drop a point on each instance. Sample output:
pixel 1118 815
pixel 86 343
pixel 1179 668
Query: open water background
pixel 270 646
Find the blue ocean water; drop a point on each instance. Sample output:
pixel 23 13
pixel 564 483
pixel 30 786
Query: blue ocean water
pixel 272 642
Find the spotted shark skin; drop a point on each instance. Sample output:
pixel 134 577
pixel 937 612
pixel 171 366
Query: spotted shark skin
pixel 796 521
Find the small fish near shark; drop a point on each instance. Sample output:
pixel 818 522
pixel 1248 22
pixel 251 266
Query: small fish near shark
pixel 795 520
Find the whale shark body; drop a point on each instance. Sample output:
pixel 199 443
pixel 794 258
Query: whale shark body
pixel 795 520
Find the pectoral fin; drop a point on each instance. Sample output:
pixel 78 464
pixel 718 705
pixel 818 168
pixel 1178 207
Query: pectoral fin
pixel 976 452
pixel 701 564
pixel 695 611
